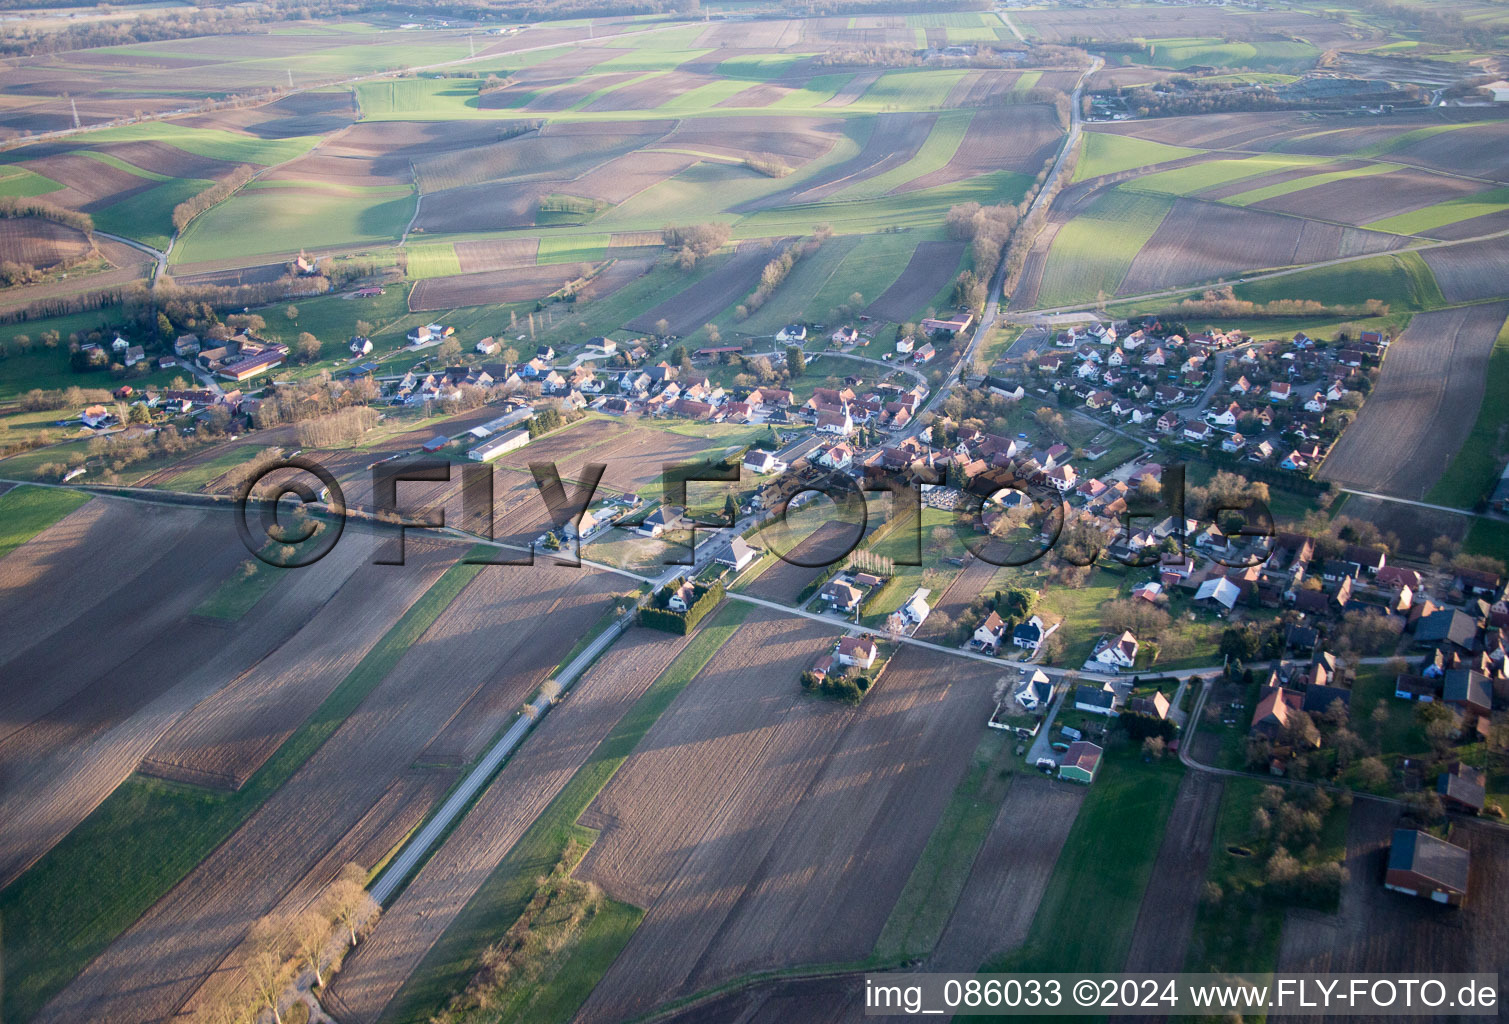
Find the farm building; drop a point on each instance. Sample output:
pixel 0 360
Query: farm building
pixel 1421 865
pixel 953 325
pixel 500 445
pixel 436 443
pixel 1080 762
pixel 1462 789
pixel 243 369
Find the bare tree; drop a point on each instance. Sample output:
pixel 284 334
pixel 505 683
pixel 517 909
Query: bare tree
pixel 350 903
pixel 310 931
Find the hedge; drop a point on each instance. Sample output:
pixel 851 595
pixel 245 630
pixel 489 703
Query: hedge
pixel 682 623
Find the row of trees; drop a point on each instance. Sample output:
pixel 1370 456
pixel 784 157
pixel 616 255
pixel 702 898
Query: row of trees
pixel 1221 302
pixel 215 194
pixel 774 273
pixel 282 947
pixel 12 208
pixel 339 428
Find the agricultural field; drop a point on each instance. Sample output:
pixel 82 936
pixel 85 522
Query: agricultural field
pixel 574 801
pixel 1407 431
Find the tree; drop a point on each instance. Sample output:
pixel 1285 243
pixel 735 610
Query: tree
pixel 1153 748
pixel 307 347
pixel 1371 772
pixel 731 509
pixel 363 328
pixel 267 967
pixel 939 434
pixel 292 312
pixel 796 360
pixel 449 351
pixel 662 327
pixel 310 931
pixel 348 900
pixel 714 336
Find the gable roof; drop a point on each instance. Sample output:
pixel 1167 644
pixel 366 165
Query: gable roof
pixel 1423 854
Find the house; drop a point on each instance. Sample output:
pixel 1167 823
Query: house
pixel 1469 691
pixel 1463 789
pixel 1197 431
pixel 840 595
pixel 845 335
pixel 1315 403
pixel 1170 423
pixel 1156 706
pixel 1035 692
pixel 1234 443
pixel 858 651
pixel 486 347
pixel 1062 478
pixel 904 346
pixel 738 555
pixel 924 354
pixel 360 346
pixel 1446 627
pixel 1421 865
pixel 792 333
pixel 1080 762
pixel 763 462
pixel 1028 635
pixel 1095 700
pixel 836 456
pixel 1115 652
pixel 1220 591
pixel 1279 391
pixel 657 522
pixel 1261 452
pixel 684 597
pixel 120 344
pixel 988 634
pixel 134 355
pixel 1226 417
pixel 915 609
pixel 1276 711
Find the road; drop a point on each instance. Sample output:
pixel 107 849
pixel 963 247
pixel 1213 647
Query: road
pixel 160 255
pixel 1040 202
pixel 418 848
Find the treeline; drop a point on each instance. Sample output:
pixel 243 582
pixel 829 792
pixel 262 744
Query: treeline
pixel 777 270
pixel 215 194
pixel 65 305
pixel 323 406
pixel 695 242
pixel 15 208
pixel 1222 302
pixel 821 8
pixel 1442 27
pixel 874 56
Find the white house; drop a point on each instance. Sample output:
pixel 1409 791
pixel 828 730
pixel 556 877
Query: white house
pixel 915 610
pixel 1028 635
pixel 838 456
pixel 792 332
pixel 656 523
pixel 682 599
pixel 1220 590
pixel 1115 653
pixel 990 633
pixel 905 345
pixel 738 555
pixel 857 651
pixel 1035 692
pixel 360 346
pixel 763 462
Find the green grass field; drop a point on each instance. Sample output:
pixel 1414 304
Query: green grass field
pixel 911 211
pixel 20 183
pixel 1196 178
pixel 240 592
pixel 1474 469
pixel 908 90
pixel 1429 218
pixel 148 216
pixel 1278 55
pixel 200 475
pixel 1085 920
pixel 149 834
pixel 1403 280
pixel 934 153
pixel 436 97
pixel 1094 251
pixel 1104 153
pixel 257 222
pixel 432 259
pixel 27 511
pixel 563 248
pixel 925 904
pixel 1285 188
pixel 498 902
pixel 211 142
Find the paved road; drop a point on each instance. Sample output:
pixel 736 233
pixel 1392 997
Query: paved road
pixel 410 857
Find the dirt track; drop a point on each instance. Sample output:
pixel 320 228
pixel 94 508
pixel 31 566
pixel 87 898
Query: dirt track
pixel 795 822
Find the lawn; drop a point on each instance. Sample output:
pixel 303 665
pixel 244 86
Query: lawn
pixel 1474 470
pixel 1487 537
pixel 438 97
pixel 926 903
pixel 276 220
pixel 1453 211
pixel 148 216
pixel 149 834
pixel 1093 252
pixel 27 511
pixel 1284 188
pixel 432 259
pixel 497 904
pixel 1089 909
pixel 935 152
pixel 1401 279
pixel 1104 153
